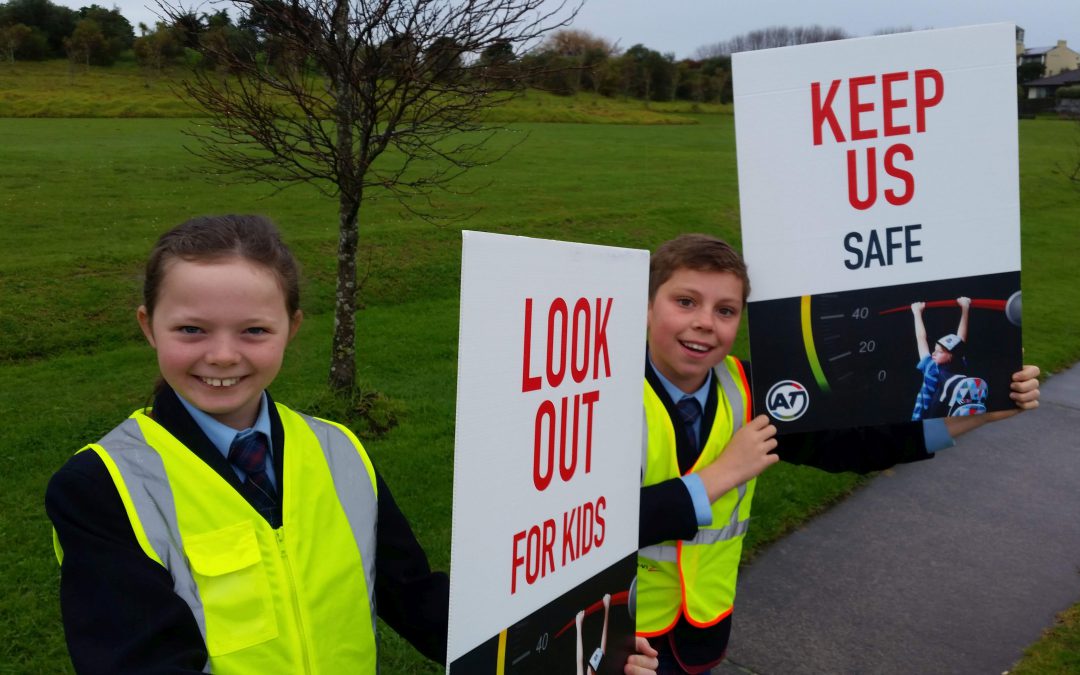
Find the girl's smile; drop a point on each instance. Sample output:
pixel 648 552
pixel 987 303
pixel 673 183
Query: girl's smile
pixel 220 329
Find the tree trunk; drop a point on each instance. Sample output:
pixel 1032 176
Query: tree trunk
pixel 343 351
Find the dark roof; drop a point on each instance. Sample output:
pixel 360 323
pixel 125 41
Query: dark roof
pixel 1066 77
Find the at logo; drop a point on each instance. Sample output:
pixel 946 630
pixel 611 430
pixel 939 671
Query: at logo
pixel 787 400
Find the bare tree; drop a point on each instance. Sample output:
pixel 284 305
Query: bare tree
pixel 773 36
pixel 893 30
pixel 364 98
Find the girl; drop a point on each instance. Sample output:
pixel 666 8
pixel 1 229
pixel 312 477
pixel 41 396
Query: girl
pixel 219 529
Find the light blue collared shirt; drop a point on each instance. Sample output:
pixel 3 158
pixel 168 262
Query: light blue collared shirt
pixel 936 435
pixel 222 435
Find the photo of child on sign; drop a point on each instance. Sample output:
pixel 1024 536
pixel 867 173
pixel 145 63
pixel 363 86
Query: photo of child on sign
pixel 897 153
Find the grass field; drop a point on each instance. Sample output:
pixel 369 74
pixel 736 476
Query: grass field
pixel 81 201
pixel 57 89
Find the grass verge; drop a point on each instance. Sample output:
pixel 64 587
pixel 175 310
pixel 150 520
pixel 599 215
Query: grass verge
pixel 83 200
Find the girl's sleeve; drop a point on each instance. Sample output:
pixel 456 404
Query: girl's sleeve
pixel 409 596
pixel 119 610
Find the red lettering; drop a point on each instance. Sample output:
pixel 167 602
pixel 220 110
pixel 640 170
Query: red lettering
pixel 890 104
pixel 547 557
pixel 558 307
pixel 922 100
pixel 532 562
pixel 871 179
pixel 581 307
pixel 822 112
pixel 892 196
pixel 600 343
pixel 601 504
pixel 516 562
pixel 858 108
pixel 538 560
pixel 544 457
pixel 583 529
pixel 569 523
pixel 542 478
pixel 528 382
pixel 567 471
pixel 588 398
pixel 588 512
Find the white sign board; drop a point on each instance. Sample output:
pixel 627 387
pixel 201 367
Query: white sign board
pixel 876 174
pixel 547 451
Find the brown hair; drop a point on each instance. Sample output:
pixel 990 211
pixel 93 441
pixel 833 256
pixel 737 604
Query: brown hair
pixel 699 252
pixel 211 238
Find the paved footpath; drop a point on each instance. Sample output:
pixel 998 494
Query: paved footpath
pixel 953 565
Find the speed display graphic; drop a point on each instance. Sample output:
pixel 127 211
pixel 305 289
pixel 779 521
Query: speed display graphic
pixel 855 352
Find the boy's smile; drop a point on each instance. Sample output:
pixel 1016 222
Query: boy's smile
pixel 220 330
pixel 693 319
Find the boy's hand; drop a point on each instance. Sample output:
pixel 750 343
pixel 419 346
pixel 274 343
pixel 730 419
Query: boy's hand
pixel 644 662
pixel 918 307
pixel 1025 388
pixel 964 302
pixel 745 456
pixel 1025 393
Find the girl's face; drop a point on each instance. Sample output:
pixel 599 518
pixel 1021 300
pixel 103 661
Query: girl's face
pixel 220 329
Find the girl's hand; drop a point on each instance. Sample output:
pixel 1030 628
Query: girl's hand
pixel 746 455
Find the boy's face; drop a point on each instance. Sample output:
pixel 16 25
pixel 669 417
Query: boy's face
pixel 940 355
pixel 693 319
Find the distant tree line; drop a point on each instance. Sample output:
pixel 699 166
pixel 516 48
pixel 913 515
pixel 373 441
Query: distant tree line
pixel 36 30
pixel 570 61
pixel 566 62
pixel 772 37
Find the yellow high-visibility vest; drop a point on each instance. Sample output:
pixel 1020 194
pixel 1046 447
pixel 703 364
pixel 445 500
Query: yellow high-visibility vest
pixel 694 578
pixel 298 599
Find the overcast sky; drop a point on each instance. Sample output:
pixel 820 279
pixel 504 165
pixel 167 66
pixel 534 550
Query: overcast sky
pixel 682 26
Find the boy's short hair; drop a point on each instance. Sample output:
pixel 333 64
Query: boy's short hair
pixel 699 252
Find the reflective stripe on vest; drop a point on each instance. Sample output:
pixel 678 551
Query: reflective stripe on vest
pixel 265 600
pixel 695 577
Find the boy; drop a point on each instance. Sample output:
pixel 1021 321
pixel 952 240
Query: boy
pixel 704 449
pixel 937 366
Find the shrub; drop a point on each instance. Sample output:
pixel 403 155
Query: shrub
pixel 1072 91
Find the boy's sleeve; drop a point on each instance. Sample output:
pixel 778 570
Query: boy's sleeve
pixel 860 450
pixel 667 512
pixel 409 597
pixel 936 435
pixel 119 610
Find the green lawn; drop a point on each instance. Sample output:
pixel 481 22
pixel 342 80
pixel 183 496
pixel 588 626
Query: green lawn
pixel 81 201
pixel 56 89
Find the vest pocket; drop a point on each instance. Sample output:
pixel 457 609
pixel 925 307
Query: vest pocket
pixel 234 588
